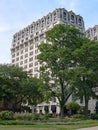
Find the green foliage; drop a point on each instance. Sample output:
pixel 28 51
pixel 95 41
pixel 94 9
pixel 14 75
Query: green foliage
pixel 94 116
pixel 85 74
pixel 56 59
pixel 46 117
pixel 31 91
pixel 6 115
pixel 24 117
pixel 73 106
pixel 17 87
pixel 79 116
pixel 81 110
pixel 36 116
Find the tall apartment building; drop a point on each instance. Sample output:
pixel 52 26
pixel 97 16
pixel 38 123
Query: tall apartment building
pixel 92 33
pixel 24 49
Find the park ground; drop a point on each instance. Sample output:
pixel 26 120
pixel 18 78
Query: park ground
pixel 50 126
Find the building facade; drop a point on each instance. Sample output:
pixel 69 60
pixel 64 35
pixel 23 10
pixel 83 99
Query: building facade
pixel 92 33
pixel 24 49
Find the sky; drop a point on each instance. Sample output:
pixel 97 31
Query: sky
pixel 17 14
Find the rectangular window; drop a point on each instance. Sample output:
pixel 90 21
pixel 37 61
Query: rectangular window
pixel 31 59
pixel 26 55
pixel 26 49
pixel 31 64
pixel 31 47
pixel 26 61
pixel 31 53
pixel 17 59
pixel 36 69
pixel 21 57
pixel 36 51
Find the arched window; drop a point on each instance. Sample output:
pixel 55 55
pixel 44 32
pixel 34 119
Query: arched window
pixel 80 22
pixel 64 15
pixel 72 18
pixel 54 16
pixel 48 19
pixel 43 23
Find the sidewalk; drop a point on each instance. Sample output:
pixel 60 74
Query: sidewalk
pixel 91 128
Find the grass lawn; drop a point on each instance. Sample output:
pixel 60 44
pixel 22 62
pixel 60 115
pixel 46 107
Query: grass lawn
pixel 52 126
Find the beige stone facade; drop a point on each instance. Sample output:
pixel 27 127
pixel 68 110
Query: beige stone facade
pixel 92 33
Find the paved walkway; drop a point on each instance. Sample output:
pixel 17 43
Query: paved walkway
pixel 91 128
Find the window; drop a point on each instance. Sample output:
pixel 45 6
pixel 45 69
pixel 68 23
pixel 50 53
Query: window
pixel 26 38
pixel 36 51
pixel 13 60
pixel 35 57
pixel 21 62
pixel 13 55
pixel 21 51
pixel 31 64
pixel 64 15
pixel 31 36
pixel 88 34
pixel 30 70
pixel 17 59
pixel 41 36
pixel 48 20
pixel 36 69
pixel 54 99
pixel 36 63
pixel 25 66
pixel 26 44
pixel 31 59
pixel 95 32
pixel 42 23
pixel 26 55
pixel 36 75
pixel 36 44
pixel 31 42
pixel 95 38
pixel 36 39
pixel 32 29
pixel 31 53
pixel 37 33
pixel 21 57
pixel 37 26
pixel 26 49
pixel 31 47
pixel 26 61
pixel 80 22
pixel 72 18
pixel 54 16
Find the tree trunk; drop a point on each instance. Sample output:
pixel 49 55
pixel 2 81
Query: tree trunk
pixel 86 106
pixel 62 111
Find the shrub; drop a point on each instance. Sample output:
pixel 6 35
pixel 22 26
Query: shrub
pixel 25 117
pixel 6 115
pixel 73 106
pixel 80 116
pixel 36 116
pixel 46 117
pixel 81 110
pixel 94 116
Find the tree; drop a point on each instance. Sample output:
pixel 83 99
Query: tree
pixel 31 91
pixel 56 60
pixel 85 73
pixel 17 86
pixel 10 89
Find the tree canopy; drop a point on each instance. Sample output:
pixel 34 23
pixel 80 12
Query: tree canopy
pixel 56 59
pixel 16 87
